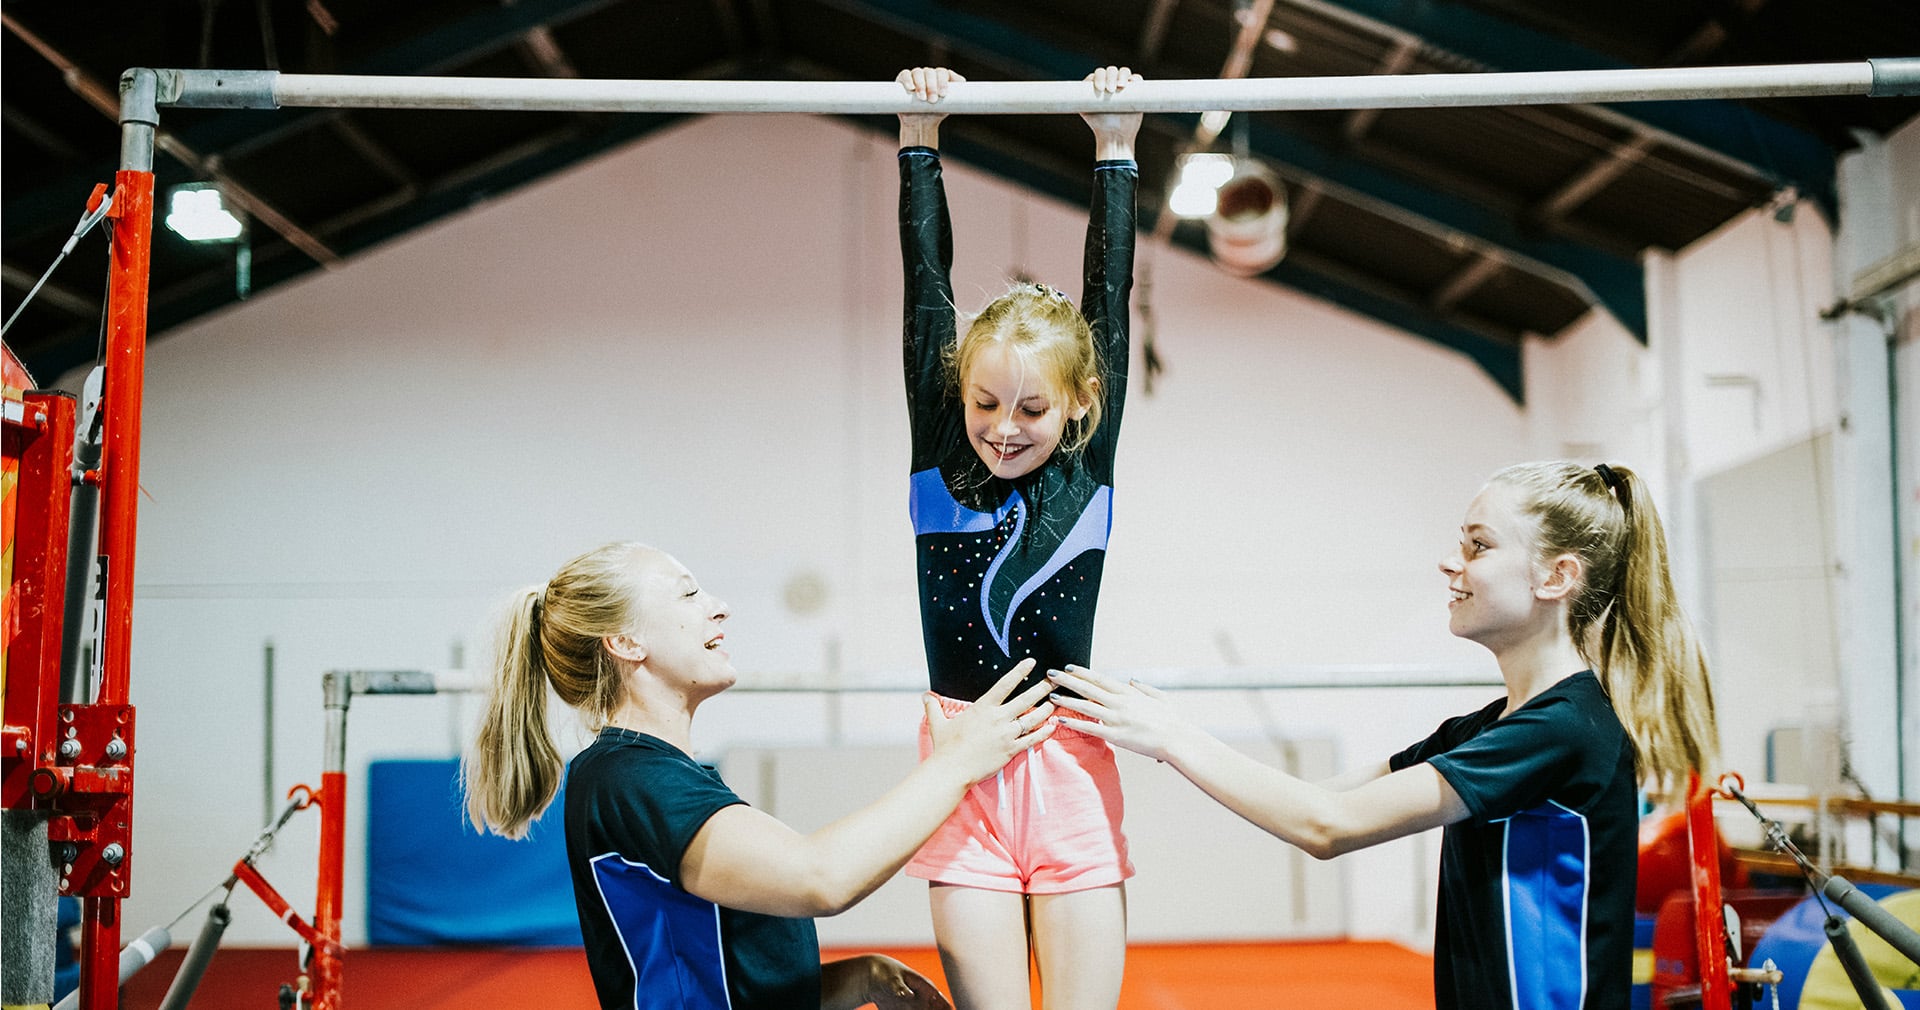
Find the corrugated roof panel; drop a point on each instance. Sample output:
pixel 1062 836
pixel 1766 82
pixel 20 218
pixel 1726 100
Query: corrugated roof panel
pixel 1407 259
pixel 1498 146
pixel 281 173
pixel 1533 303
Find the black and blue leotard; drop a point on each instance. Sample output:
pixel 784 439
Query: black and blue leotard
pixel 1007 569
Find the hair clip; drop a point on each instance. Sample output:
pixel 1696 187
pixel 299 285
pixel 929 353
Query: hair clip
pixel 1051 292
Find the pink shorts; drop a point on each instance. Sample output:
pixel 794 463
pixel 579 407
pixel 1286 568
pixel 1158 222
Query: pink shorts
pixel 1048 823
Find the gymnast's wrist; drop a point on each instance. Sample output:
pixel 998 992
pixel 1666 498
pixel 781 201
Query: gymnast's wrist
pixel 1113 147
pixel 920 131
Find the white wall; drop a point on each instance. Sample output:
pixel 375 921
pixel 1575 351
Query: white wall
pixel 693 343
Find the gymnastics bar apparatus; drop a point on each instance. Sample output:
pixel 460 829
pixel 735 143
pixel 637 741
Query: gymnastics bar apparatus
pixel 319 983
pixel 84 780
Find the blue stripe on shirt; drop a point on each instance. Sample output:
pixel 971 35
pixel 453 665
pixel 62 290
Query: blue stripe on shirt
pixel 1547 866
pixel 671 938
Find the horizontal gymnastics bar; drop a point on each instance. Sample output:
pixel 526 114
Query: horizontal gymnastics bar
pixel 265 89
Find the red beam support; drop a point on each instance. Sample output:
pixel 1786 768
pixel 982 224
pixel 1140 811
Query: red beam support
pixel 119 476
pixel 1710 923
pixel 39 450
pixel 329 956
pixel 120 449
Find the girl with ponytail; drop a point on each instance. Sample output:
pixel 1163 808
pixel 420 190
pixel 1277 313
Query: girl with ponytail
pixel 1561 572
pixel 688 898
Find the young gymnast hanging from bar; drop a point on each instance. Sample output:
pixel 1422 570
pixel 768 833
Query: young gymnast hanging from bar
pixel 1014 425
pixel 1561 573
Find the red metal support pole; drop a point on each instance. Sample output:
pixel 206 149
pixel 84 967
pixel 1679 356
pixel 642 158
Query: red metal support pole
pixel 132 237
pixel 120 450
pixel 40 445
pixel 336 690
pixel 329 955
pixel 1710 924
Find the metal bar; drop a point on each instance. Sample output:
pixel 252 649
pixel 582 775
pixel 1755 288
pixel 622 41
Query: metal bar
pixel 186 980
pixel 269 798
pixel 1899 935
pixel 79 630
pixel 282 909
pixel 1887 275
pixel 1855 964
pixel 133 957
pixel 214 88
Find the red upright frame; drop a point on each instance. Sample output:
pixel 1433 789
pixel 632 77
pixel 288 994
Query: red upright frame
pixel 39 450
pixel 98 787
pixel 1710 924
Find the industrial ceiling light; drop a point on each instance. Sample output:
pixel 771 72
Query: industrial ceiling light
pixel 1247 231
pixel 197 212
pixel 1201 176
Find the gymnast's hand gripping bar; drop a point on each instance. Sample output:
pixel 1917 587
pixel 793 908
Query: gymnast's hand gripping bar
pixel 267 89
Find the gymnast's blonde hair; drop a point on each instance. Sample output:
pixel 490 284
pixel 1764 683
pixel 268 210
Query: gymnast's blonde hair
pixel 1040 325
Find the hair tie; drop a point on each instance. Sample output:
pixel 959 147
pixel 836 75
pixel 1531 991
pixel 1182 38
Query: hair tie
pixel 1615 483
pixel 538 605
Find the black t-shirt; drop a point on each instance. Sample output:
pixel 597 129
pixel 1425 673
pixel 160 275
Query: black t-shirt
pixel 1536 886
pixel 633 804
pixel 1007 569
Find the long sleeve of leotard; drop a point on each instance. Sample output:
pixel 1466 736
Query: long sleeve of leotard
pixel 926 258
pixel 1105 300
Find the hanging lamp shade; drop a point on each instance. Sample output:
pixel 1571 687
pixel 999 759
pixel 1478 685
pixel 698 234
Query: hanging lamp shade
pixel 1247 232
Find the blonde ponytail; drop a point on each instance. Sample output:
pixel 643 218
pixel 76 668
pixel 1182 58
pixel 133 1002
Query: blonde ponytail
pixel 1655 670
pixel 513 770
pixel 552 635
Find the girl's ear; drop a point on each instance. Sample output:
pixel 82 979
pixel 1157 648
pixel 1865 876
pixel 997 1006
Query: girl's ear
pixel 1563 577
pixel 1084 402
pixel 625 647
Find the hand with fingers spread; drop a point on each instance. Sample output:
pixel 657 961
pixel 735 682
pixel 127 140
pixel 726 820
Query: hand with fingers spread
pixel 1133 715
pixel 981 739
pixel 928 85
pixel 1113 132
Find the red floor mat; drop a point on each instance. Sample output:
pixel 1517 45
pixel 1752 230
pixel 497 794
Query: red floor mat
pixel 1325 976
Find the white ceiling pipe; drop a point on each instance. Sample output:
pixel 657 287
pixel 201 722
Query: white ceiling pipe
pixel 255 89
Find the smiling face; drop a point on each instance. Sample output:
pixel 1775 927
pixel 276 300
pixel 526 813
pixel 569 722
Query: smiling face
pixel 678 630
pixel 1014 416
pixel 1501 593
